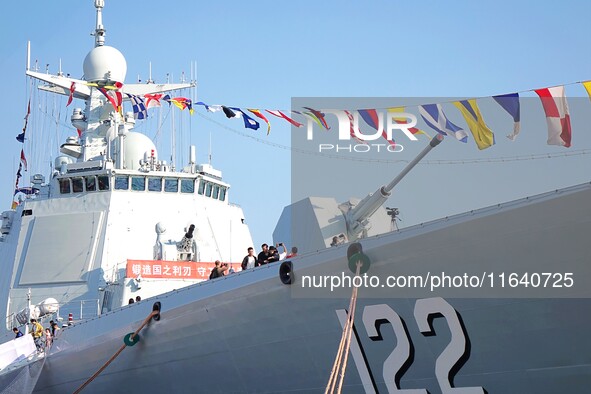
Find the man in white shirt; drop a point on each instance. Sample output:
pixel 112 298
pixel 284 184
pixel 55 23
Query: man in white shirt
pixel 284 253
pixel 249 260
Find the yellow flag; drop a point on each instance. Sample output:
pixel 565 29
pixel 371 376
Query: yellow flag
pixel 403 120
pixel 483 136
pixel 587 86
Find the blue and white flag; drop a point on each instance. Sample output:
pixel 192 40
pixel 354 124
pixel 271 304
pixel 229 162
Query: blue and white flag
pixel 210 108
pixel 433 115
pixel 249 122
pixel 139 108
pixel 510 103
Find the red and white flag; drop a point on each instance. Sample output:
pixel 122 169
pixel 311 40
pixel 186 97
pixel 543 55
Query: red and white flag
pixel 557 117
pixel 72 90
pixel 23 159
pixel 352 128
pixel 280 114
pixel 153 100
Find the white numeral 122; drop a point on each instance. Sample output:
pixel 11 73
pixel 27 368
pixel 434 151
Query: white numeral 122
pixel 400 359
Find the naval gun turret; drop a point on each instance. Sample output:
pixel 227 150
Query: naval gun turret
pixel 322 222
pixel 357 217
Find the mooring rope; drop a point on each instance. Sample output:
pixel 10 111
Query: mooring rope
pixel 105 365
pixel 340 362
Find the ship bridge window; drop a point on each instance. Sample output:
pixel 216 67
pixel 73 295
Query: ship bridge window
pixel 171 185
pixel 213 190
pixel 187 186
pixel 103 182
pixel 77 185
pixel 90 182
pixel 64 185
pixel 155 184
pixel 138 183
pixel 121 182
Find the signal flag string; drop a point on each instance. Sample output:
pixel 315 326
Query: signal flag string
pixel 506 159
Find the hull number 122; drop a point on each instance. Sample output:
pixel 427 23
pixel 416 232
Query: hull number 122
pixel 400 359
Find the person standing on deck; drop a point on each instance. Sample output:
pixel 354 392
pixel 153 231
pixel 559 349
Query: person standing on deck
pixel 17 332
pixel 48 338
pixel 263 257
pixel 218 270
pixel 273 254
pixel 249 260
pixel 37 333
pixel 282 255
pixel 54 329
pixel 294 252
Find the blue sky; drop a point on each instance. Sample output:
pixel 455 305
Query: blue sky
pixel 262 53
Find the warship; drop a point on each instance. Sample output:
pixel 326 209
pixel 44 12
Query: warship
pixel 99 234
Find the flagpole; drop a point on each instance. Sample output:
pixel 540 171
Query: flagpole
pixel 172 142
pixel 28 56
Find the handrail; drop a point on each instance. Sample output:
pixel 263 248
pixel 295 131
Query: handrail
pixel 80 309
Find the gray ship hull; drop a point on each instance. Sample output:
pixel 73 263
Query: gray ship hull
pixel 250 333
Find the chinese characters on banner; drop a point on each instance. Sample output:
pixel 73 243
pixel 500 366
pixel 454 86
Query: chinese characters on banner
pixel 160 269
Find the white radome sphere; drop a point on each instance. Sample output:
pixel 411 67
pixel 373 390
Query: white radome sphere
pixel 136 145
pixel 104 63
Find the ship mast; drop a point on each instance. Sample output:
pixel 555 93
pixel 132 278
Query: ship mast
pixel 99 31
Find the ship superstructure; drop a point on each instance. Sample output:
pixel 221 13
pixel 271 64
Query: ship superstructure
pixel 108 224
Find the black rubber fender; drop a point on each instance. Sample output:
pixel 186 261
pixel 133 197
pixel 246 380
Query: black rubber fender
pixel 355 247
pixel 156 307
pixel 355 254
pixel 286 273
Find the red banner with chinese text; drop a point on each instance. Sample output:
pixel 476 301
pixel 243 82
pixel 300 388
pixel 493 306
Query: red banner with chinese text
pixel 160 269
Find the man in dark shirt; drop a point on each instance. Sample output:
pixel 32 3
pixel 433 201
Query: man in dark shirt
pixel 215 271
pixel 54 329
pixel 218 270
pixel 17 332
pixel 262 258
pixel 273 254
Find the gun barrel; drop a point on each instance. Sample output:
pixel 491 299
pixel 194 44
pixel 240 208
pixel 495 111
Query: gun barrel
pixel 432 144
pixel 370 204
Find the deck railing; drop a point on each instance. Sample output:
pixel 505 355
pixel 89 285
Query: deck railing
pixel 80 310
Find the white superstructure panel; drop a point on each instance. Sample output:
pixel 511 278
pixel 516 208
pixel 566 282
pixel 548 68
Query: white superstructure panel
pixel 50 261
